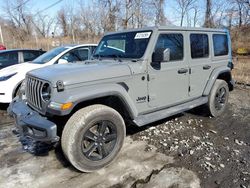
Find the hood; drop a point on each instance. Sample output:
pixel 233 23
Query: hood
pixel 22 67
pixel 75 73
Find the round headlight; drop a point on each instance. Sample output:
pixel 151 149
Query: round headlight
pixel 46 92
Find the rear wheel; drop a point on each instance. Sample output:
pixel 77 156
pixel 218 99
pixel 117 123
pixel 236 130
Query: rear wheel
pixel 93 137
pixel 218 98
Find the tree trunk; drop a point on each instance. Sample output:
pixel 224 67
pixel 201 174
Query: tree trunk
pixel 208 16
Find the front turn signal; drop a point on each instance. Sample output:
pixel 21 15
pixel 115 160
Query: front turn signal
pixel 66 106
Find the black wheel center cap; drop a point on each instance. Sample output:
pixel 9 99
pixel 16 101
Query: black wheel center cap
pixel 100 139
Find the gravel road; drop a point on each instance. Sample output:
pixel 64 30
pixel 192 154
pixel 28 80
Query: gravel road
pixel 187 150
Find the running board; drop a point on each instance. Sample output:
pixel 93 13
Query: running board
pixel 161 114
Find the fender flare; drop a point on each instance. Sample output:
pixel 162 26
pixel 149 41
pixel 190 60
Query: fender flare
pixel 214 75
pixel 87 93
pixel 15 88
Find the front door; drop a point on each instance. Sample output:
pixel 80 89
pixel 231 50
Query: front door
pixel 169 81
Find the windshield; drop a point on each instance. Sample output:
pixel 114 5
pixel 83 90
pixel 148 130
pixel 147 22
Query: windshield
pixel 48 55
pixel 123 45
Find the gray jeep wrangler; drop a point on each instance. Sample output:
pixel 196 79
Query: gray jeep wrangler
pixel 135 77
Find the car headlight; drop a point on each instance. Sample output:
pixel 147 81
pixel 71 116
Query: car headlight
pixel 46 92
pixel 4 78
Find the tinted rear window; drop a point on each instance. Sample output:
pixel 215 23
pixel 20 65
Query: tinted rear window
pixel 220 44
pixel 199 45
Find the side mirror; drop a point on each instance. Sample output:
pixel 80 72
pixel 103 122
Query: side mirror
pixel 62 61
pixel 161 55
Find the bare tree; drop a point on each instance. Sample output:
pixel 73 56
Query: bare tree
pixel 183 7
pixel 43 24
pixel 62 21
pixel 19 18
pixel 243 10
pixel 159 11
pixel 128 13
pixel 113 7
pixel 195 18
pixel 208 15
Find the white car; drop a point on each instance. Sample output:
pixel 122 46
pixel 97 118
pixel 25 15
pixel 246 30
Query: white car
pixel 12 77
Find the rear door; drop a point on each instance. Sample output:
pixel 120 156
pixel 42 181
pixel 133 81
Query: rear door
pixel 199 62
pixel 168 83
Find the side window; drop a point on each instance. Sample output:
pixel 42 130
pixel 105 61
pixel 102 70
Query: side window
pixel 79 54
pixel 174 42
pixel 29 56
pixel 83 53
pixel 220 42
pixel 9 58
pixel 199 45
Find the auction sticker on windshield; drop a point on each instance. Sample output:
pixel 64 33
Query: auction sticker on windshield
pixel 143 35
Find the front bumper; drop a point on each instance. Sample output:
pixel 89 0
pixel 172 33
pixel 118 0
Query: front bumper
pixel 31 124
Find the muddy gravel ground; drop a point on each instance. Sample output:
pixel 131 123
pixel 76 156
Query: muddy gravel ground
pixel 187 150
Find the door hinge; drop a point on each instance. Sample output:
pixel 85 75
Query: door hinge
pixel 190 71
pixel 189 89
pixel 148 98
pixel 147 77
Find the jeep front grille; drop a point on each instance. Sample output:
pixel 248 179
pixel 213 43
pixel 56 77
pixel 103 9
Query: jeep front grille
pixel 33 92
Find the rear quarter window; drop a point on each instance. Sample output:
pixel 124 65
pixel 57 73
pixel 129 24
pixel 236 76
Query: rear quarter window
pixel 220 42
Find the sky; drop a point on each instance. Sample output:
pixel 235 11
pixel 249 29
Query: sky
pixel 38 5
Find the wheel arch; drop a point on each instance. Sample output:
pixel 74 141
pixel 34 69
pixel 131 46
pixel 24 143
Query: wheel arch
pixel 219 73
pixel 112 95
pixel 114 101
pixel 18 85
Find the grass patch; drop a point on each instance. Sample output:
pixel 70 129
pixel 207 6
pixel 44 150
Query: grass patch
pixel 241 71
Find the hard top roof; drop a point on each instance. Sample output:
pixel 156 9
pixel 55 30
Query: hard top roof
pixel 173 28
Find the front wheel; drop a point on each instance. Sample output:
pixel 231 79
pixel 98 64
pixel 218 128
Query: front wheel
pixel 93 137
pixel 218 98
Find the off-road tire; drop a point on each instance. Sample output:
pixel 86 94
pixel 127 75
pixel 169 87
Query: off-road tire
pixel 78 125
pixel 219 85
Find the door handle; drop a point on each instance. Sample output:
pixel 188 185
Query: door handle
pixel 182 71
pixel 206 67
